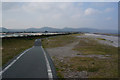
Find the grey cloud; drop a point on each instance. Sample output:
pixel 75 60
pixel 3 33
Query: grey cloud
pixel 57 15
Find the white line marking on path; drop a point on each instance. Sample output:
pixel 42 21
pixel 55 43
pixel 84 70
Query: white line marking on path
pixel 48 65
pixel 14 61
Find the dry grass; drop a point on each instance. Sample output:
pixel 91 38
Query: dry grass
pixel 91 46
pixel 80 34
pixel 99 68
pixel 60 67
pixel 95 67
pixel 12 47
pixel 58 41
pixel 101 39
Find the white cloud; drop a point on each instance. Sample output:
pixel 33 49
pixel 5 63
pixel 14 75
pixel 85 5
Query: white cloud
pixel 35 7
pixel 76 16
pixel 54 15
pixel 55 10
pixel 90 11
pixel 63 6
pixel 57 16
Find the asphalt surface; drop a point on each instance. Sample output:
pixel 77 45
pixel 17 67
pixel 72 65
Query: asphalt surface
pixel 31 65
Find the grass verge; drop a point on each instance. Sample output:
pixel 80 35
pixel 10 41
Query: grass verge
pixel 14 46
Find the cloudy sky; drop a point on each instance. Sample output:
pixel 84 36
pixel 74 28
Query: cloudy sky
pixel 21 15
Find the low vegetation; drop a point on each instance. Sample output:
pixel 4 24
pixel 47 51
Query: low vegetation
pixel 108 34
pixel 94 67
pixel 58 41
pixel 101 39
pixel 104 40
pixel 14 46
pixel 91 46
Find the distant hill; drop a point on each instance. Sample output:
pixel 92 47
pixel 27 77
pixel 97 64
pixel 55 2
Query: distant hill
pixel 17 30
pixel 49 29
pixel 2 29
pixel 42 29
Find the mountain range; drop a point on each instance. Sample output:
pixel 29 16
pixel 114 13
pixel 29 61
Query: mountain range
pixel 49 29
